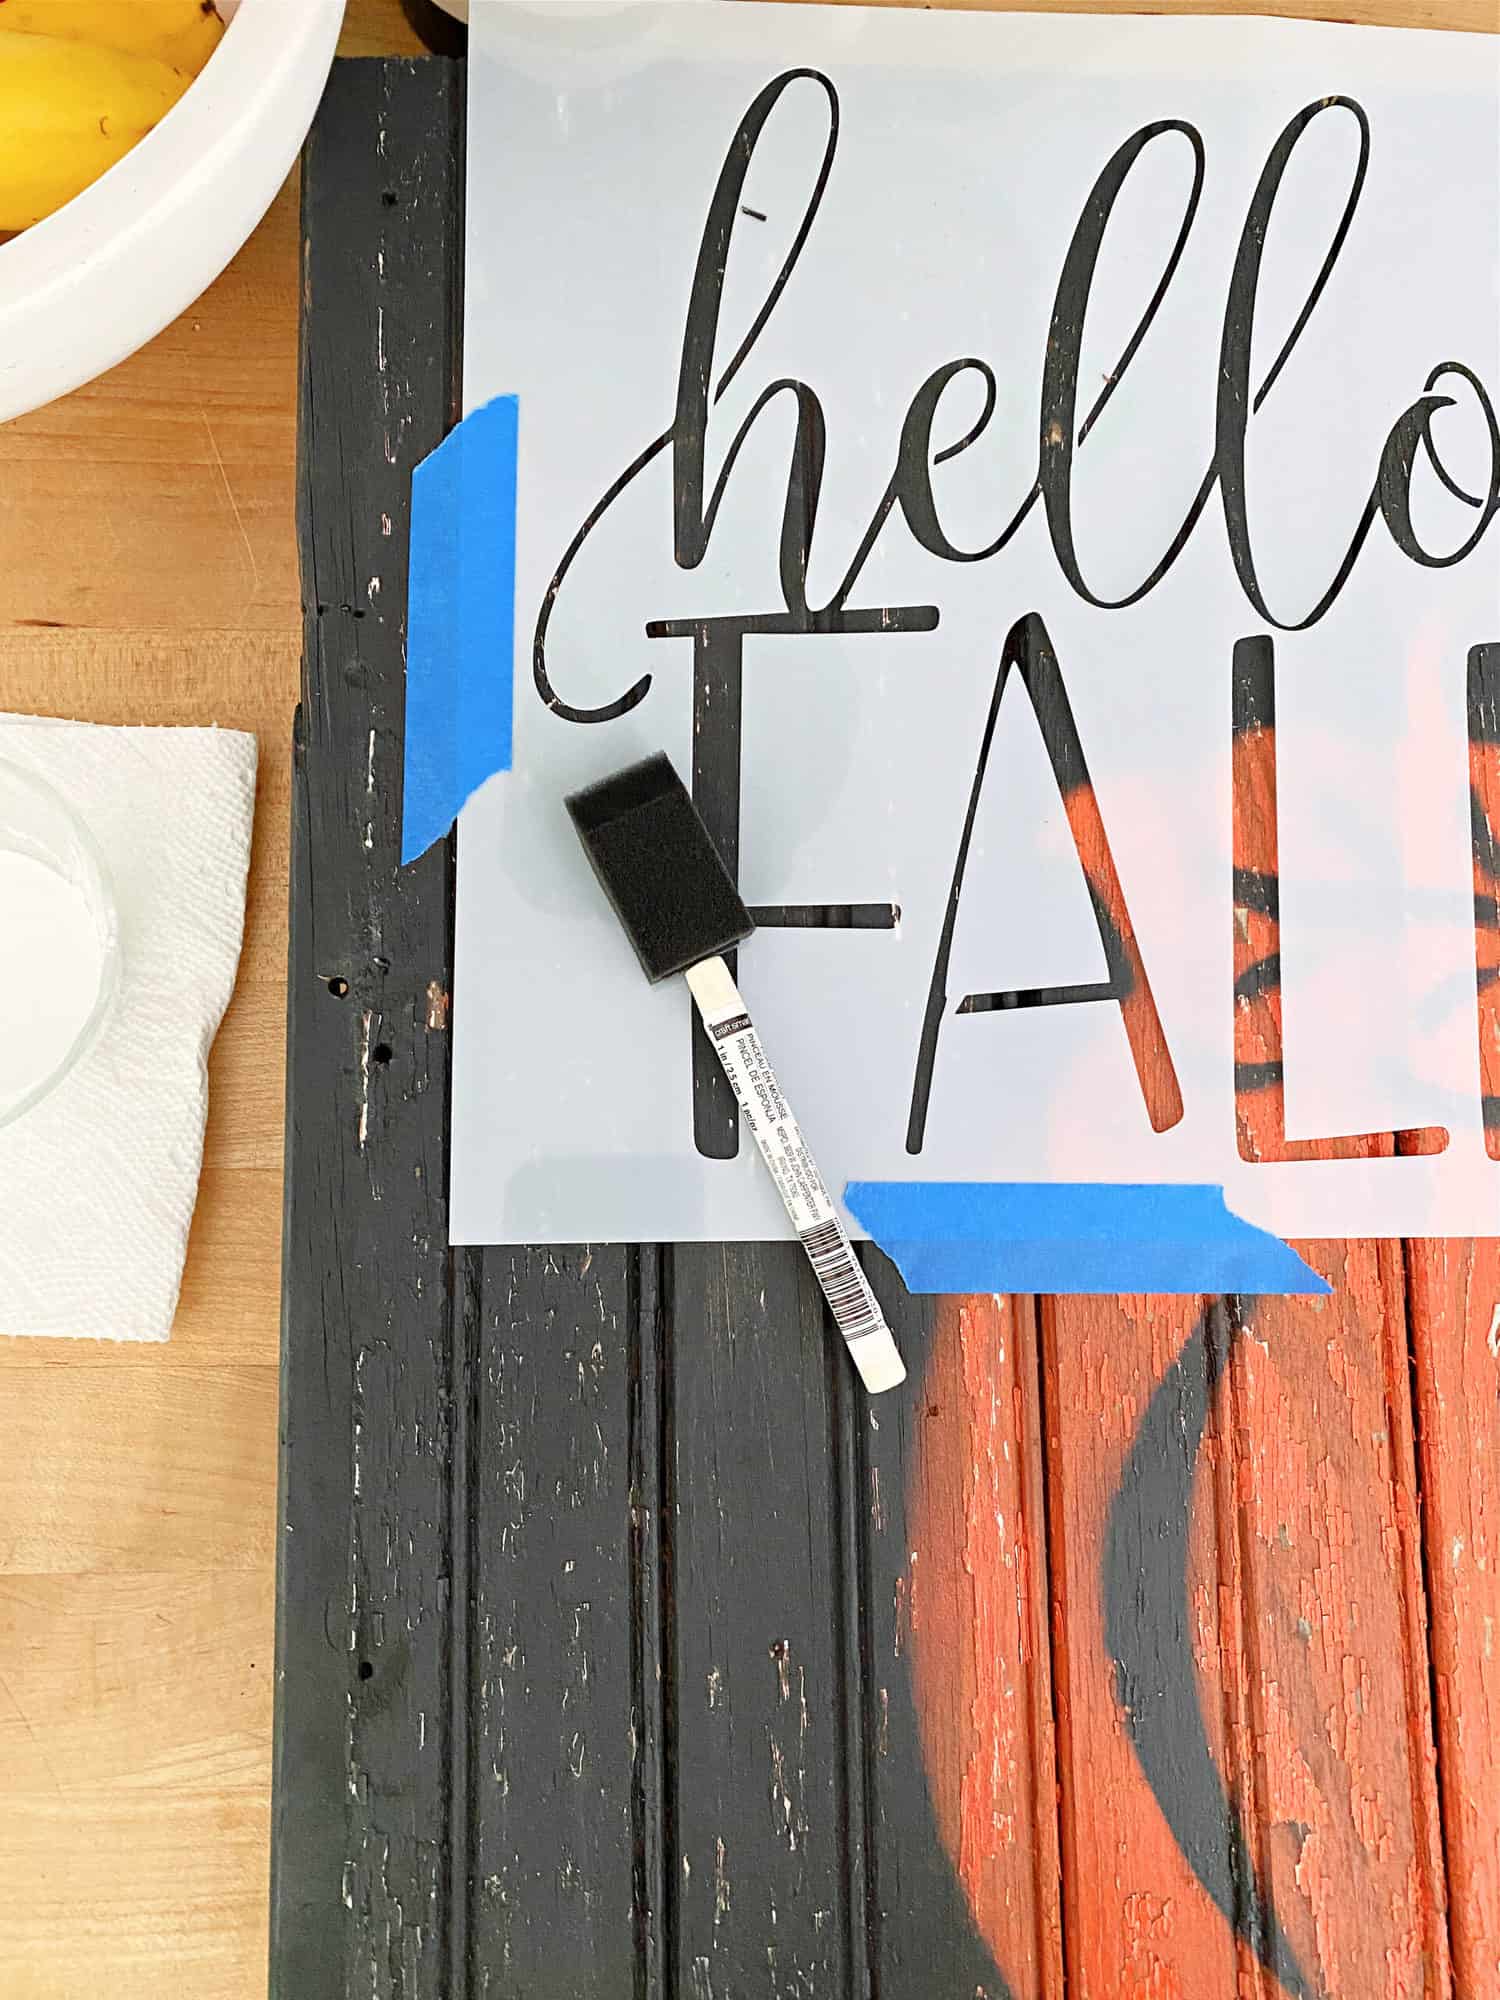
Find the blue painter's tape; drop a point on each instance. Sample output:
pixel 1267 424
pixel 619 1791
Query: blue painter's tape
pixel 460 621
pixel 1037 1236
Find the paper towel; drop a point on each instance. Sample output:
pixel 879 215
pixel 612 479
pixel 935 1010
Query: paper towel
pixel 98 1180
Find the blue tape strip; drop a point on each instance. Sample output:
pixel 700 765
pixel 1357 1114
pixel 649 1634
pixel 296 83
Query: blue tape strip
pixel 460 621
pixel 1035 1236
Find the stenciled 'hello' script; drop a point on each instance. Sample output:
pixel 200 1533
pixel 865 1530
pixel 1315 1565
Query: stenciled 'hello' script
pixel 1034 475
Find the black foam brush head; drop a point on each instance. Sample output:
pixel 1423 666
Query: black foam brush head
pixel 659 867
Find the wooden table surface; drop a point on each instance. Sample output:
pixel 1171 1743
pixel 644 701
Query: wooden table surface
pixel 150 576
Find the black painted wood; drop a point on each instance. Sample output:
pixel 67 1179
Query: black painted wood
pixel 565 1465
pixel 761 1666
pixel 586 1688
pixel 367 1757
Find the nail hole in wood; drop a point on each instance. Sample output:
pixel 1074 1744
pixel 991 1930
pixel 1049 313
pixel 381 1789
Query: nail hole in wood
pixel 338 987
pixel 366 1671
pixel 381 1053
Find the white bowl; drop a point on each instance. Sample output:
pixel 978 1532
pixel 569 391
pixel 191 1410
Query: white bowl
pixel 90 284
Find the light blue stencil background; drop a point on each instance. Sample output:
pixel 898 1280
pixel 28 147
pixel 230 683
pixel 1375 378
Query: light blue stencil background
pixel 968 146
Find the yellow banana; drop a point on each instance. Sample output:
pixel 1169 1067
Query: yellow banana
pixel 68 110
pixel 182 33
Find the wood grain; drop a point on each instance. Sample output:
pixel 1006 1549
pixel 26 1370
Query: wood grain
pixel 376 1385
pixel 1248 1774
pixel 760 1660
pixel 977 1615
pixel 151 575
pixel 1455 1308
pixel 1319 1481
pixel 1248 1469
pixel 577 1646
pixel 1145 1926
pixel 561 1716
pixel 1454 1302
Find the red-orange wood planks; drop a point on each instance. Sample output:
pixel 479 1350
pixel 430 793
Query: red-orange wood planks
pixel 1455 1324
pixel 979 1631
pixel 1258 1569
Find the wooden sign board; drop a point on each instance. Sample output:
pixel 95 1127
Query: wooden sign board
pixel 1134 1647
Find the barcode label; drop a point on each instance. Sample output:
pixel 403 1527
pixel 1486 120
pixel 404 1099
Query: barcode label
pixel 845 1287
pixel 803 1193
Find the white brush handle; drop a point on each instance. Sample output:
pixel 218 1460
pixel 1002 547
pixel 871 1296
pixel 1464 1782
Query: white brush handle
pixel 855 1308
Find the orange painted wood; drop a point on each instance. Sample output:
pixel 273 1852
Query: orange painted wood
pixel 1301 1625
pixel 1260 1119
pixel 1136 1921
pixel 1455 1324
pixel 980 1642
pixel 1319 1429
pixel 1302 1618
pixel 1138 1012
pixel 1454 1306
pixel 1329 1723
pixel 1316 1483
